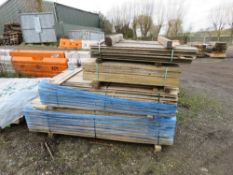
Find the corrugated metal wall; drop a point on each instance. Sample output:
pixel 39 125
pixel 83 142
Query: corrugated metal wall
pixel 9 11
pixel 68 18
pixel 69 15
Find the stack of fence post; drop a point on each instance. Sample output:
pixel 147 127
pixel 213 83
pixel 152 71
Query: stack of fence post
pixel 127 92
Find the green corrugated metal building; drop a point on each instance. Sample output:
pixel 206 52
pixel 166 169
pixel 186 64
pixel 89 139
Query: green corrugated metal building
pixel 67 18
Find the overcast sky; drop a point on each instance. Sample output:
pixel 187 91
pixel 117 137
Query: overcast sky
pixel 196 15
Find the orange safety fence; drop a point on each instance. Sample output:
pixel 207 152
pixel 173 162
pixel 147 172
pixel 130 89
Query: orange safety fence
pixel 39 63
pixel 70 44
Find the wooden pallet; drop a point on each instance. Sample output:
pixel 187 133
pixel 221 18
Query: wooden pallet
pixel 51 135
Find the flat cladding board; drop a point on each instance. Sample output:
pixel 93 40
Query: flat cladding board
pixel 28 20
pixel 38 27
pixel 46 35
pixel 31 36
pixel 86 35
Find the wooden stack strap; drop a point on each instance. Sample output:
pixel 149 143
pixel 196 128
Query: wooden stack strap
pixel 165 77
pixel 99 48
pixel 172 55
pixel 97 71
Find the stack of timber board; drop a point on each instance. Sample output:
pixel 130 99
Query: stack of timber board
pixel 201 48
pixel 159 94
pixel 144 51
pixel 216 50
pixel 69 105
pixel 135 101
pixel 132 73
pixel 116 112
pixel 100 124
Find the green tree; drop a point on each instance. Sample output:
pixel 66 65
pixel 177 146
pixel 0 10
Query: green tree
pixel 39 5
pixel 145 23
pixel 105 24
pixel 174 28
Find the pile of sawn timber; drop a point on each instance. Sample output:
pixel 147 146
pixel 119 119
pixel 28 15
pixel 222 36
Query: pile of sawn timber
pixel 144 52
pixel 211 49
pixel 216 49
pixel 123 100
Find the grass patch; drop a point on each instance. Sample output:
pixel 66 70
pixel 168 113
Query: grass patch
pixel 13 75
pixel 194 105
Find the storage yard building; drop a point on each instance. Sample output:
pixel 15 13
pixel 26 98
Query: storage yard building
pixel 67 18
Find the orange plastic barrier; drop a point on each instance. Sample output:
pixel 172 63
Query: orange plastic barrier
pixel 37 54
pixel 70 44
pixel 39 63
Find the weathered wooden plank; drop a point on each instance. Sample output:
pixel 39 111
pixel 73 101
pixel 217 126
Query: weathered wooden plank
pixel 128 68
pixel 59 108
pixel 167 43
pixel 136 79
pixel 111 40
pixel 61 78
pixel 216 55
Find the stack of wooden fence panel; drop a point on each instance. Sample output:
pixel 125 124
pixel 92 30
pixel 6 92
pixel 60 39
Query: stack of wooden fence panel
pixel 116 99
